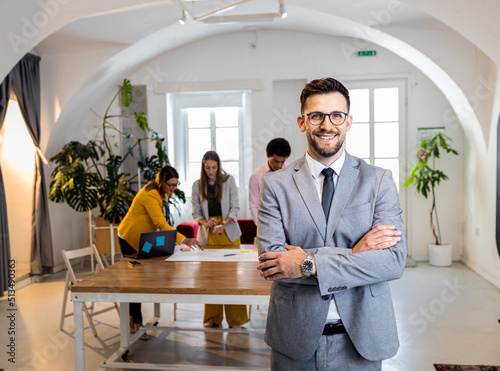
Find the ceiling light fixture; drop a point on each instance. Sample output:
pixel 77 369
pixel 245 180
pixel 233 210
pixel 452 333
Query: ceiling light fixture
pixel 242 18
pixel 183 19
pixel 283 11
pixel 214 17
pixel 194 18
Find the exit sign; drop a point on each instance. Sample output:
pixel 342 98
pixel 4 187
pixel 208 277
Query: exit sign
pixel 366 53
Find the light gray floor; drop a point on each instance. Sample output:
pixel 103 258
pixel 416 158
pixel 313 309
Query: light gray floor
pixel 445 315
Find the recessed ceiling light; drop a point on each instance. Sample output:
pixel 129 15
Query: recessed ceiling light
pixel 183 19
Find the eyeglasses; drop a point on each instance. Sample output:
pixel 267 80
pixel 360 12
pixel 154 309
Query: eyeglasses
pixel 336 118
pixel 173 185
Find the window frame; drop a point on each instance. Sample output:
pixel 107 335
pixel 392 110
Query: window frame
pixel 177 131
pixel 213 141
pixel 402 83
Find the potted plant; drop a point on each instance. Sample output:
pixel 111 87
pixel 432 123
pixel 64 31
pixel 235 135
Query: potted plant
pixel 89 175
pixel 425 177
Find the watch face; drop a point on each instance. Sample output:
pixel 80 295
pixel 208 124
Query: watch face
pixel 307 265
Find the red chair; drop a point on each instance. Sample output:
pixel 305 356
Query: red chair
pixel 188 229
pixel 248 230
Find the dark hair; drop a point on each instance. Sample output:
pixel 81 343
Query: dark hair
pixel 279 147
pixel 166 173
pixel 323 86
pixel 221 176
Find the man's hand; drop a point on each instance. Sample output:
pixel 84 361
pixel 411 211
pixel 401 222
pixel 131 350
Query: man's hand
pixel 380 237
pixel 282 264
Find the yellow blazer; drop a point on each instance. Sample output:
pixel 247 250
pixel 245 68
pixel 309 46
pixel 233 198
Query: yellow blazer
pixel 145 215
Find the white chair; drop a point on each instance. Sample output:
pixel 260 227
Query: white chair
pixel 71 279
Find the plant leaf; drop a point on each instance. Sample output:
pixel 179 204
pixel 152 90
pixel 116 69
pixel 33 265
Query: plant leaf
pixel 129 145
pixel 142 120
pixel 161 151
pixel 127 93
pixel 150 166
pixel 115 196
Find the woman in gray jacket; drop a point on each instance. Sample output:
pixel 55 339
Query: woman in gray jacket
pixel 215 208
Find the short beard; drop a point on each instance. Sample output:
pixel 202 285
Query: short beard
pixel 324 152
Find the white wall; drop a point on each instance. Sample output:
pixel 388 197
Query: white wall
pixel 277 61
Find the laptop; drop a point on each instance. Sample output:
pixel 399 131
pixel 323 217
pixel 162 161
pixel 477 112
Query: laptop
pixel 155 244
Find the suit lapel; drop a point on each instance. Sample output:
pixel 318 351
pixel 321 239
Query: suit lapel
pixel 347 178
pixel 307 189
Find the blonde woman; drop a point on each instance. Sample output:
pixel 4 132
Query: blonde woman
pixel 215 208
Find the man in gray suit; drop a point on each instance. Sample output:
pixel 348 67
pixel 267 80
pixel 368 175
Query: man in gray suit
pixel 330 241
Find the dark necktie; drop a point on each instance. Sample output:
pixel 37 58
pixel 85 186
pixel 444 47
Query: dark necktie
pixel 326 198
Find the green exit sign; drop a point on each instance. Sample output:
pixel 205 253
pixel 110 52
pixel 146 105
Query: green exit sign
pixel 366 53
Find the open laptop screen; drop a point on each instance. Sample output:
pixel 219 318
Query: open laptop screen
pixel 153 244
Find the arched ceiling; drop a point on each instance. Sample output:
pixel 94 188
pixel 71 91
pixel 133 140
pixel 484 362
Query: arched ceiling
pixel 61 25
pixel 144 29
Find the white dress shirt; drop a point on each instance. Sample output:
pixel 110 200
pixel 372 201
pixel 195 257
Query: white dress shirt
pixel 316 168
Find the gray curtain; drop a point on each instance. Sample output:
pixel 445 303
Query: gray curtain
pixel 25 81
pixel 4 225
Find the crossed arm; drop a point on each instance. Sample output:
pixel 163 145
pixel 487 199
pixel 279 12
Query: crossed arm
pixel 287 264
pixel 378 255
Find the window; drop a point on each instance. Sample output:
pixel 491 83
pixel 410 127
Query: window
pixel 17 156
pixel 203 121
pixel 215 129
pixel 376 133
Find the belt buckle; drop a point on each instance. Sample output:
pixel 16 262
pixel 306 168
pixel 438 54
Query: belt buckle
pixel 334 328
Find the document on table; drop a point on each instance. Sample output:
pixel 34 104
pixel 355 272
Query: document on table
pixel 213 255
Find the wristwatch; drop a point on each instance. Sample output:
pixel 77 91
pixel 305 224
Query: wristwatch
pixel 308 266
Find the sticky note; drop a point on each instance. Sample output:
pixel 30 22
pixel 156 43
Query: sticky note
pixel 255 250
pixel 185 248
pixel 160 240
pixel 243 250
pixel 147 247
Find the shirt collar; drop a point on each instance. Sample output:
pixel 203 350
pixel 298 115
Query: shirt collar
pixel 316 167
pixel 268 168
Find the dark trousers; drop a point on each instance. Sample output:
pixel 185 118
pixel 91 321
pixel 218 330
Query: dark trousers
pixel 134 308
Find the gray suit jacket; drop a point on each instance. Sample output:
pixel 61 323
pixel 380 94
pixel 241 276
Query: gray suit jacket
pixel 290 211
pixel 229 205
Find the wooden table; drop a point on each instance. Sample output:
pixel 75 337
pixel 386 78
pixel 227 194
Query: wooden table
pixel 159 281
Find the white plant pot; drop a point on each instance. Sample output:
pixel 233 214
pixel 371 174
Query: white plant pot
pixel 440 255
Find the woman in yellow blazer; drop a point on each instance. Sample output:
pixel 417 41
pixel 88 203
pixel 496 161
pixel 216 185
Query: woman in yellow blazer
pixel 148 213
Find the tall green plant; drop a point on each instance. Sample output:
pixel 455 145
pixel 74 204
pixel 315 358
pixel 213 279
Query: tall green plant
pixel 88 175
pixel 425 177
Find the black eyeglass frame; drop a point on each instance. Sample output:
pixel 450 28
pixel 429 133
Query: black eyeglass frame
pixel 173 185
pixel 324 115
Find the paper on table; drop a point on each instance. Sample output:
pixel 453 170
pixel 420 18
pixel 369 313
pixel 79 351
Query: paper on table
pixel 213 255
